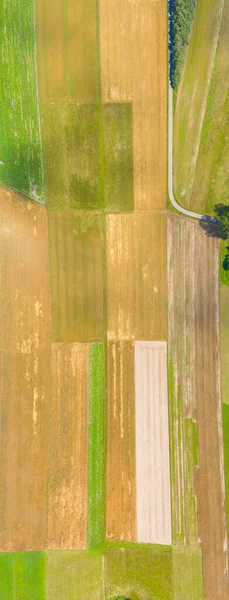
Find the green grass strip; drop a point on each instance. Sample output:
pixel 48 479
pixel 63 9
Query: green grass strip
pixel 22 576
pixel 225 415
pixel 96 469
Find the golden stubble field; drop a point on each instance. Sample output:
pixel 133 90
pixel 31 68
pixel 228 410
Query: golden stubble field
pixel 133 46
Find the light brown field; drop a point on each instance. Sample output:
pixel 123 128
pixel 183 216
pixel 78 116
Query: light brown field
pixel 67 496
pixel 194 350
pixel 24 366
pixel 136 276
pixel 121 470
pixel 66 32
pixel 133 42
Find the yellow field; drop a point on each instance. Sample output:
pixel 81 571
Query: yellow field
pixel 67 498
pixel 121 471
pixel 24 365
pixel 136 276
pixel 66 33
pixel 133 38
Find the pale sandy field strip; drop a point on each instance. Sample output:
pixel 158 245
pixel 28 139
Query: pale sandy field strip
pixel 121 468
pixel 68 411
pixel 152 444
pixel 136 276
pixel 202 260
pixel 24 366
pixel 133 45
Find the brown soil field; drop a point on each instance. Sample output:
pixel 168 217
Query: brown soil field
pixel 194 314
pixel 67 496
pixel 133 42
pixel 66 34
pixel 76 272
pixel 121 470
pixel 136 276
pixel 24 365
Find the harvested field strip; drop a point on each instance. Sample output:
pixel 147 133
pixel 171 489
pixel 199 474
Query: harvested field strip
pixel 177 463
pixel 68 441
pixel 96 466
pixel 224 343
pixel 197 268
pixel 187 573
pixel 70 136
pixel 24 366
pixel 211 175
pixel 139 573
pixel 191 462
pixel 72 575
pixel 152 444
pixel 121 471
pixel 67 50
pixel 20 142
pixel 22 576
pixel 136 276
pixel 76 272
pixel 133 43
pixel 225 414
pixel 118 155
pixel 192 98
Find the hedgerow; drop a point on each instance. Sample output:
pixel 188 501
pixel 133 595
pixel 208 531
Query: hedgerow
pixel 181 18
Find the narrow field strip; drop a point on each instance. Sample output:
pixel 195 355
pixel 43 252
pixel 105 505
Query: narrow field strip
pixel 121 468
pixel 96 441
pixel 187 573
pixel 20 140
pixel 152 444
pixel 68 441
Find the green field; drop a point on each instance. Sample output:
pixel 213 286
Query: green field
pixel 22 576
pixel 76 274
pixel 187 573
pixel 199 159
pixel 118 157
pixel 74 575
pixel 70 135
pixel 20 141
pixel 96 459
pixel 139 573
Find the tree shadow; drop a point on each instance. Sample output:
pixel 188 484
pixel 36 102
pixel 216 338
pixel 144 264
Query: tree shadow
pixel 218 227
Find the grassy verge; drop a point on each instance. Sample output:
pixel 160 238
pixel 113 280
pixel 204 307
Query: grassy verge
pixel 20 142
pixel 96 467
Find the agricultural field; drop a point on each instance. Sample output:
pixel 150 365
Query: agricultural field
pixel 20 140
pixel 197 469
pixel 136 276
pixel 201 146
pixel 76 275
pixel 24 372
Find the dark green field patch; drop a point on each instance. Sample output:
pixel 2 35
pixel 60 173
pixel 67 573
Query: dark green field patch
pixel 70 136
pixel 74 575
pixel 22 576
pixel 118 157
pixel 96 491
pixel 139 573
pixel 20 143
pixel 76 274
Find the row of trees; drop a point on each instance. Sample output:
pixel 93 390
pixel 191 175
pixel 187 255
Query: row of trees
pixel 181 18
